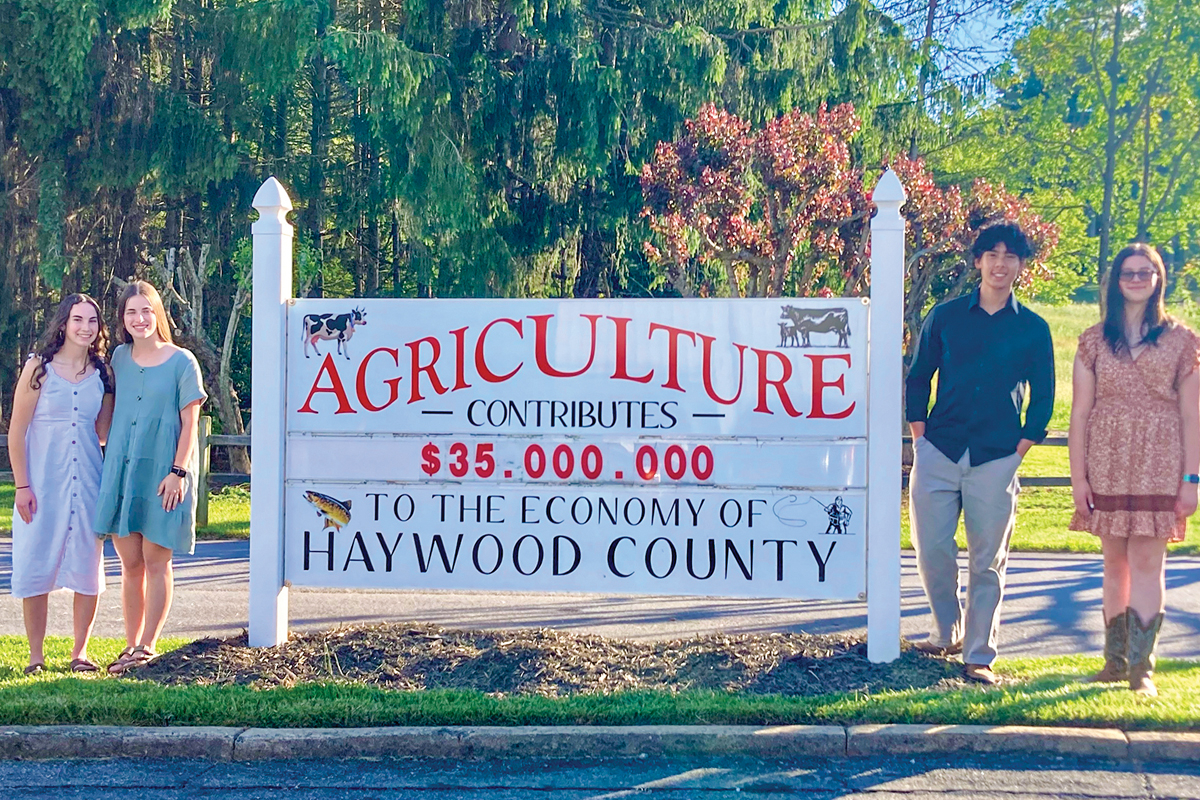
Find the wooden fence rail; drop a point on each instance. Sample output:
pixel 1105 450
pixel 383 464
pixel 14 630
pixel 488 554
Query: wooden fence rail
pixel 208 440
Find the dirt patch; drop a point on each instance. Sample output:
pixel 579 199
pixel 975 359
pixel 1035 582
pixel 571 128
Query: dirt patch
pixel 552 663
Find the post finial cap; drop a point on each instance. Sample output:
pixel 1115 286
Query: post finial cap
pixel 889 189
pixel 272 195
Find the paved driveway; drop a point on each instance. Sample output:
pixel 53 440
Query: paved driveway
pixel 1052 606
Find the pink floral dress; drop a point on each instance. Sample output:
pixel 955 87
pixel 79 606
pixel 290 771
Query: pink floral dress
pixel 1135 435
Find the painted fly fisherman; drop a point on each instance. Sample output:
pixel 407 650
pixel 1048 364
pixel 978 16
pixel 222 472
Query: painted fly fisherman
pixel 988 351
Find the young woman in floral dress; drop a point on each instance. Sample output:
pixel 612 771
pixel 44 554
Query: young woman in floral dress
pixel 1135 454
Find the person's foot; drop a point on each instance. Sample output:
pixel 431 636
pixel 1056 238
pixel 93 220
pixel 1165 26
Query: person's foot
pixel 980 673
pixel 140 656
pixel 83 664
pixel 930 649
pixel 35 669
pixel 118 664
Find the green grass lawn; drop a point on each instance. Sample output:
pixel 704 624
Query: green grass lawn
pixel 1037 691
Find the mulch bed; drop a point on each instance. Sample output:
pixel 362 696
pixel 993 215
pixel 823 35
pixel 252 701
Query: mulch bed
pixel 551 663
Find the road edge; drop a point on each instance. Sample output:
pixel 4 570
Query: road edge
pixel 483 742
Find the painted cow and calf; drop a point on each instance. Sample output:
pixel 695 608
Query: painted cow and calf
pixel 798 324
pixel 336 327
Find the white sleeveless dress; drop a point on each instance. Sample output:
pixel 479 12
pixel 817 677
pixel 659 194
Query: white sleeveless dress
pixel 58 549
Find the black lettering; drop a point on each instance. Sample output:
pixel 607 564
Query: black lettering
pixel 388 552
pixel 612 555
pixel 525 520
pixel 600 414
pixel 610 512
pixel 376 495
pixel 308 551
pixel 443 498
pixel 362 548
pixel 513 413
pixel 730 548
pixel 663 408
pixel 779 543
pixel 517 554
pixel 423 562
pixel 503 413
pixel 586 413
pixel 695 510
pixel 736 505
pixel 646 407
pixel 650 554
pixel 712 560
pixel 475 554
pixel 471 413
pixel 412 507
pixel 751 513
pixel 463 508
pixel 641 507
pixel 549 506
pixel 491 510
pixel 821 562
pixel 556 415
pixel 588 517
pixel 574 564
pixel 655 508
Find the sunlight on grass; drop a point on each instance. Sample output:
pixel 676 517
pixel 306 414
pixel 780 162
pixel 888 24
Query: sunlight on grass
pixel 1037 691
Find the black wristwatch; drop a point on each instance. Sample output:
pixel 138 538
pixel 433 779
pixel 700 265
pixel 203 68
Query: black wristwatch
pixel 180 471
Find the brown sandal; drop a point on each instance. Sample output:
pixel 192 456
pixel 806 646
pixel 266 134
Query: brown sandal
pixel 140 656
pixel 83 665
pixel 118 664
pixel 35 669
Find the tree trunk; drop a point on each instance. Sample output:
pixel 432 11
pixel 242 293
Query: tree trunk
pixel 1111 144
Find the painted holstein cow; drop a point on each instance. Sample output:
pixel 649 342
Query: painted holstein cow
pixel 807 321
pixel 332 326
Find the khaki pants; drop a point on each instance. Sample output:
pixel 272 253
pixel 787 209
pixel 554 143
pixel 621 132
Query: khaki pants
pixel 986 496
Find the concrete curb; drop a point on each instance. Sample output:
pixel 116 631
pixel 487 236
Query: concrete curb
pixel 784 741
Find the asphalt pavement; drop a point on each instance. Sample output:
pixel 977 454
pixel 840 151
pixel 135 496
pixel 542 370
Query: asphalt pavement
pixel 1052 606
pixel 979 777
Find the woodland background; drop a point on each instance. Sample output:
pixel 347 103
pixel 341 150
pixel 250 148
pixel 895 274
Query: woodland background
pixel 559 148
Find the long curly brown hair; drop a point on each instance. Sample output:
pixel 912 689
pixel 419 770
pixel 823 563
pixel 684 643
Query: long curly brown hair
pixel 56 334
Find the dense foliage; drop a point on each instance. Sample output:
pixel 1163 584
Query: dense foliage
pixel 497 147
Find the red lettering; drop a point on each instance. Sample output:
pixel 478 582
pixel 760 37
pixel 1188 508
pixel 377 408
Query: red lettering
pixel 480 366
pixel 621 373
pixel 328 367
pixel 819 384
pixel 460 378
pixel 764 382
pixel 707 341
pixel 427 369
pixel 672 352
pixel 392 383
pixel 541 328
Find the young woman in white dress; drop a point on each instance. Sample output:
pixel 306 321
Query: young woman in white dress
pixel 61 414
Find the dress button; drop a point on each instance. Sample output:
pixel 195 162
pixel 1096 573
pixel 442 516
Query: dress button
pixel 72 424
pixel 72 441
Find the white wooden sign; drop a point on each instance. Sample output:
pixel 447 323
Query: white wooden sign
pixel 699 447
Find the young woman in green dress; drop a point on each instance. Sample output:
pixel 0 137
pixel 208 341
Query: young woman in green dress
pixel 147 499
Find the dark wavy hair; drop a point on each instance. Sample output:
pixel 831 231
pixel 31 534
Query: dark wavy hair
pixel 1156 320
pixel 1008 233
pixel 56 334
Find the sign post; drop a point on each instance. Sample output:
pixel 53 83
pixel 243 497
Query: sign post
pixel 272 268
pixel 885 424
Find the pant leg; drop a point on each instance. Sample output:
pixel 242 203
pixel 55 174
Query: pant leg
pixel 989 496
pixel 934 504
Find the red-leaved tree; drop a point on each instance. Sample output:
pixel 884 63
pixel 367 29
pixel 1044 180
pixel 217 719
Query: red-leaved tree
pixel 785 210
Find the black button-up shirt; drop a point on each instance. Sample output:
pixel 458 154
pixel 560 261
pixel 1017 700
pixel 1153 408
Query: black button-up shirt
pixel 985 364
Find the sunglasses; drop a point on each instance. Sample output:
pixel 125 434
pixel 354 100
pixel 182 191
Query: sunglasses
pixel 1129 276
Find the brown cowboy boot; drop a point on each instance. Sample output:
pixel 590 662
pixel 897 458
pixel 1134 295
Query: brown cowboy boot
pixel 1116 651
pixel 1142 640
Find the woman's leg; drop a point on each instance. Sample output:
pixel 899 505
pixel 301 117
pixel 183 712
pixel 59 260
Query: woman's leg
pixel 34 609
pixel 85 617
pixel 133 585
pixel 159 588
pixel 1147 575
pixel 1116 575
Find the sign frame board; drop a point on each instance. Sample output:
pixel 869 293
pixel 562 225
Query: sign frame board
pixel 518 481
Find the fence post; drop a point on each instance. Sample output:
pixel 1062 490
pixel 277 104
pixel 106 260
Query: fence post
pixel 884 421
pixel 272 289
pixel 202 432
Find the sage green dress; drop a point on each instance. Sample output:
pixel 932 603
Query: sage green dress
pixel 141 450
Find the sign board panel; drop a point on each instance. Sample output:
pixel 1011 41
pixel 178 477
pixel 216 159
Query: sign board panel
pixel 606 446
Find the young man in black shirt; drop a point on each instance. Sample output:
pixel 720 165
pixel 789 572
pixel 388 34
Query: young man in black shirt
pixel 988 351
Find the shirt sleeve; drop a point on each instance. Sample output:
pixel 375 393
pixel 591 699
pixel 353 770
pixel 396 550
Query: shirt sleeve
pixel 190 383
pixel 1041 388
pixel 1087 348
pixel 1189 357
pixel 926 360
